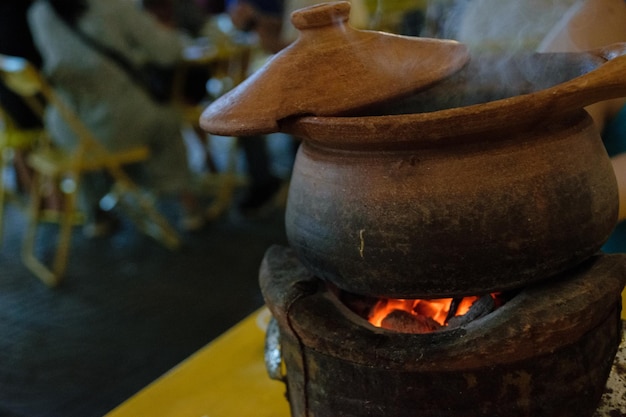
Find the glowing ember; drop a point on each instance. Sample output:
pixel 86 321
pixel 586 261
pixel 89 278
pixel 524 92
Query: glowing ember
pixel 435 309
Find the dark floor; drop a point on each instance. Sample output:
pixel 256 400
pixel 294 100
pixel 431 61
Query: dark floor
pixel 129 311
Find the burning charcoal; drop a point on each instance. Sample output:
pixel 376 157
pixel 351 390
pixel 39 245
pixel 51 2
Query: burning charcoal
pixel 454 306
pixel 405 322
pixel 481 307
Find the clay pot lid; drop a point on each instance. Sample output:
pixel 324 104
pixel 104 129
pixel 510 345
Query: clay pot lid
pixel 332 69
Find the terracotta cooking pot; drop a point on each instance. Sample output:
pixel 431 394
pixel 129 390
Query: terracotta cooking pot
pixel 461 201
pixel 457 196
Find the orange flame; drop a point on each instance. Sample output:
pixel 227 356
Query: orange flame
pixel 437 309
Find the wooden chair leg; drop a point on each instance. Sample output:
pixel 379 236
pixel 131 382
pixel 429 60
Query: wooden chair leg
pixel 153 224
pixel 41 271
pixel 140 209
pixel 160 229
pixel 2 192
pixel 204 141
pixel 66 224
pixel 228 182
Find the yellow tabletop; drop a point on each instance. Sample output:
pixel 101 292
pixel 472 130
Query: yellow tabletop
pixel 227 378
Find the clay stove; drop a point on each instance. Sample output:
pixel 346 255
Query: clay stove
pixel 546 352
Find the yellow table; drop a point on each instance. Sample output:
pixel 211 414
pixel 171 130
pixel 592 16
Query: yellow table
pixel 227 378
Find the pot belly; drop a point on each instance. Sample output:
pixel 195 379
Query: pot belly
pixel 478 216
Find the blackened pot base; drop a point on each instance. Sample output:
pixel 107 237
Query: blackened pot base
pixel 547 352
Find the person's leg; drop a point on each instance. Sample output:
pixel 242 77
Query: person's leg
pixel 257 158
pixel 263 183
pixel 98 221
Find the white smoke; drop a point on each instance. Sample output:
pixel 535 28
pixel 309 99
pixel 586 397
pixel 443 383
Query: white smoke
pixel 509 25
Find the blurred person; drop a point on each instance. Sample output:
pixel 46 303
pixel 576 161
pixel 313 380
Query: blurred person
pixel 211 7
pixel 108 100
pixel 16 40
pixel 183 15
pixel 263 17
pixel 263 185
pixel 270 20
pixel 187 19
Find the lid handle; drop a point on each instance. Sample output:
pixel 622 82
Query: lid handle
pixel 325 14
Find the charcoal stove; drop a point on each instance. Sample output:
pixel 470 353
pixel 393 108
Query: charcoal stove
pixel 546 352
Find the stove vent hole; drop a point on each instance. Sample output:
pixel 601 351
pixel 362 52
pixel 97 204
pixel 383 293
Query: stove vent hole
pixel 423 315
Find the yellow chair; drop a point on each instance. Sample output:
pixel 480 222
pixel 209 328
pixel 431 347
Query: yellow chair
pixel 12 139
pixel 66 168
pixel 228 63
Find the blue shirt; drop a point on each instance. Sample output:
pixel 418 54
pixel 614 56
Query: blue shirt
pixel 274 7
pixel 614 138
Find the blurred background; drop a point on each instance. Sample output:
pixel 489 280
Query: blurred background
pixel 128 308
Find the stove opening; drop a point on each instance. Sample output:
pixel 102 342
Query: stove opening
pixel 424 315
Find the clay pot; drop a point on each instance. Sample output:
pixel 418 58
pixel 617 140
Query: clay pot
pixel 463 201
pixel 479 187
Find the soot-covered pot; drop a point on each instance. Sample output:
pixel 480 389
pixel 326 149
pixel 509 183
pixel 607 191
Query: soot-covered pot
pixel 466 200
pixel 464 215
pixel 478 186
